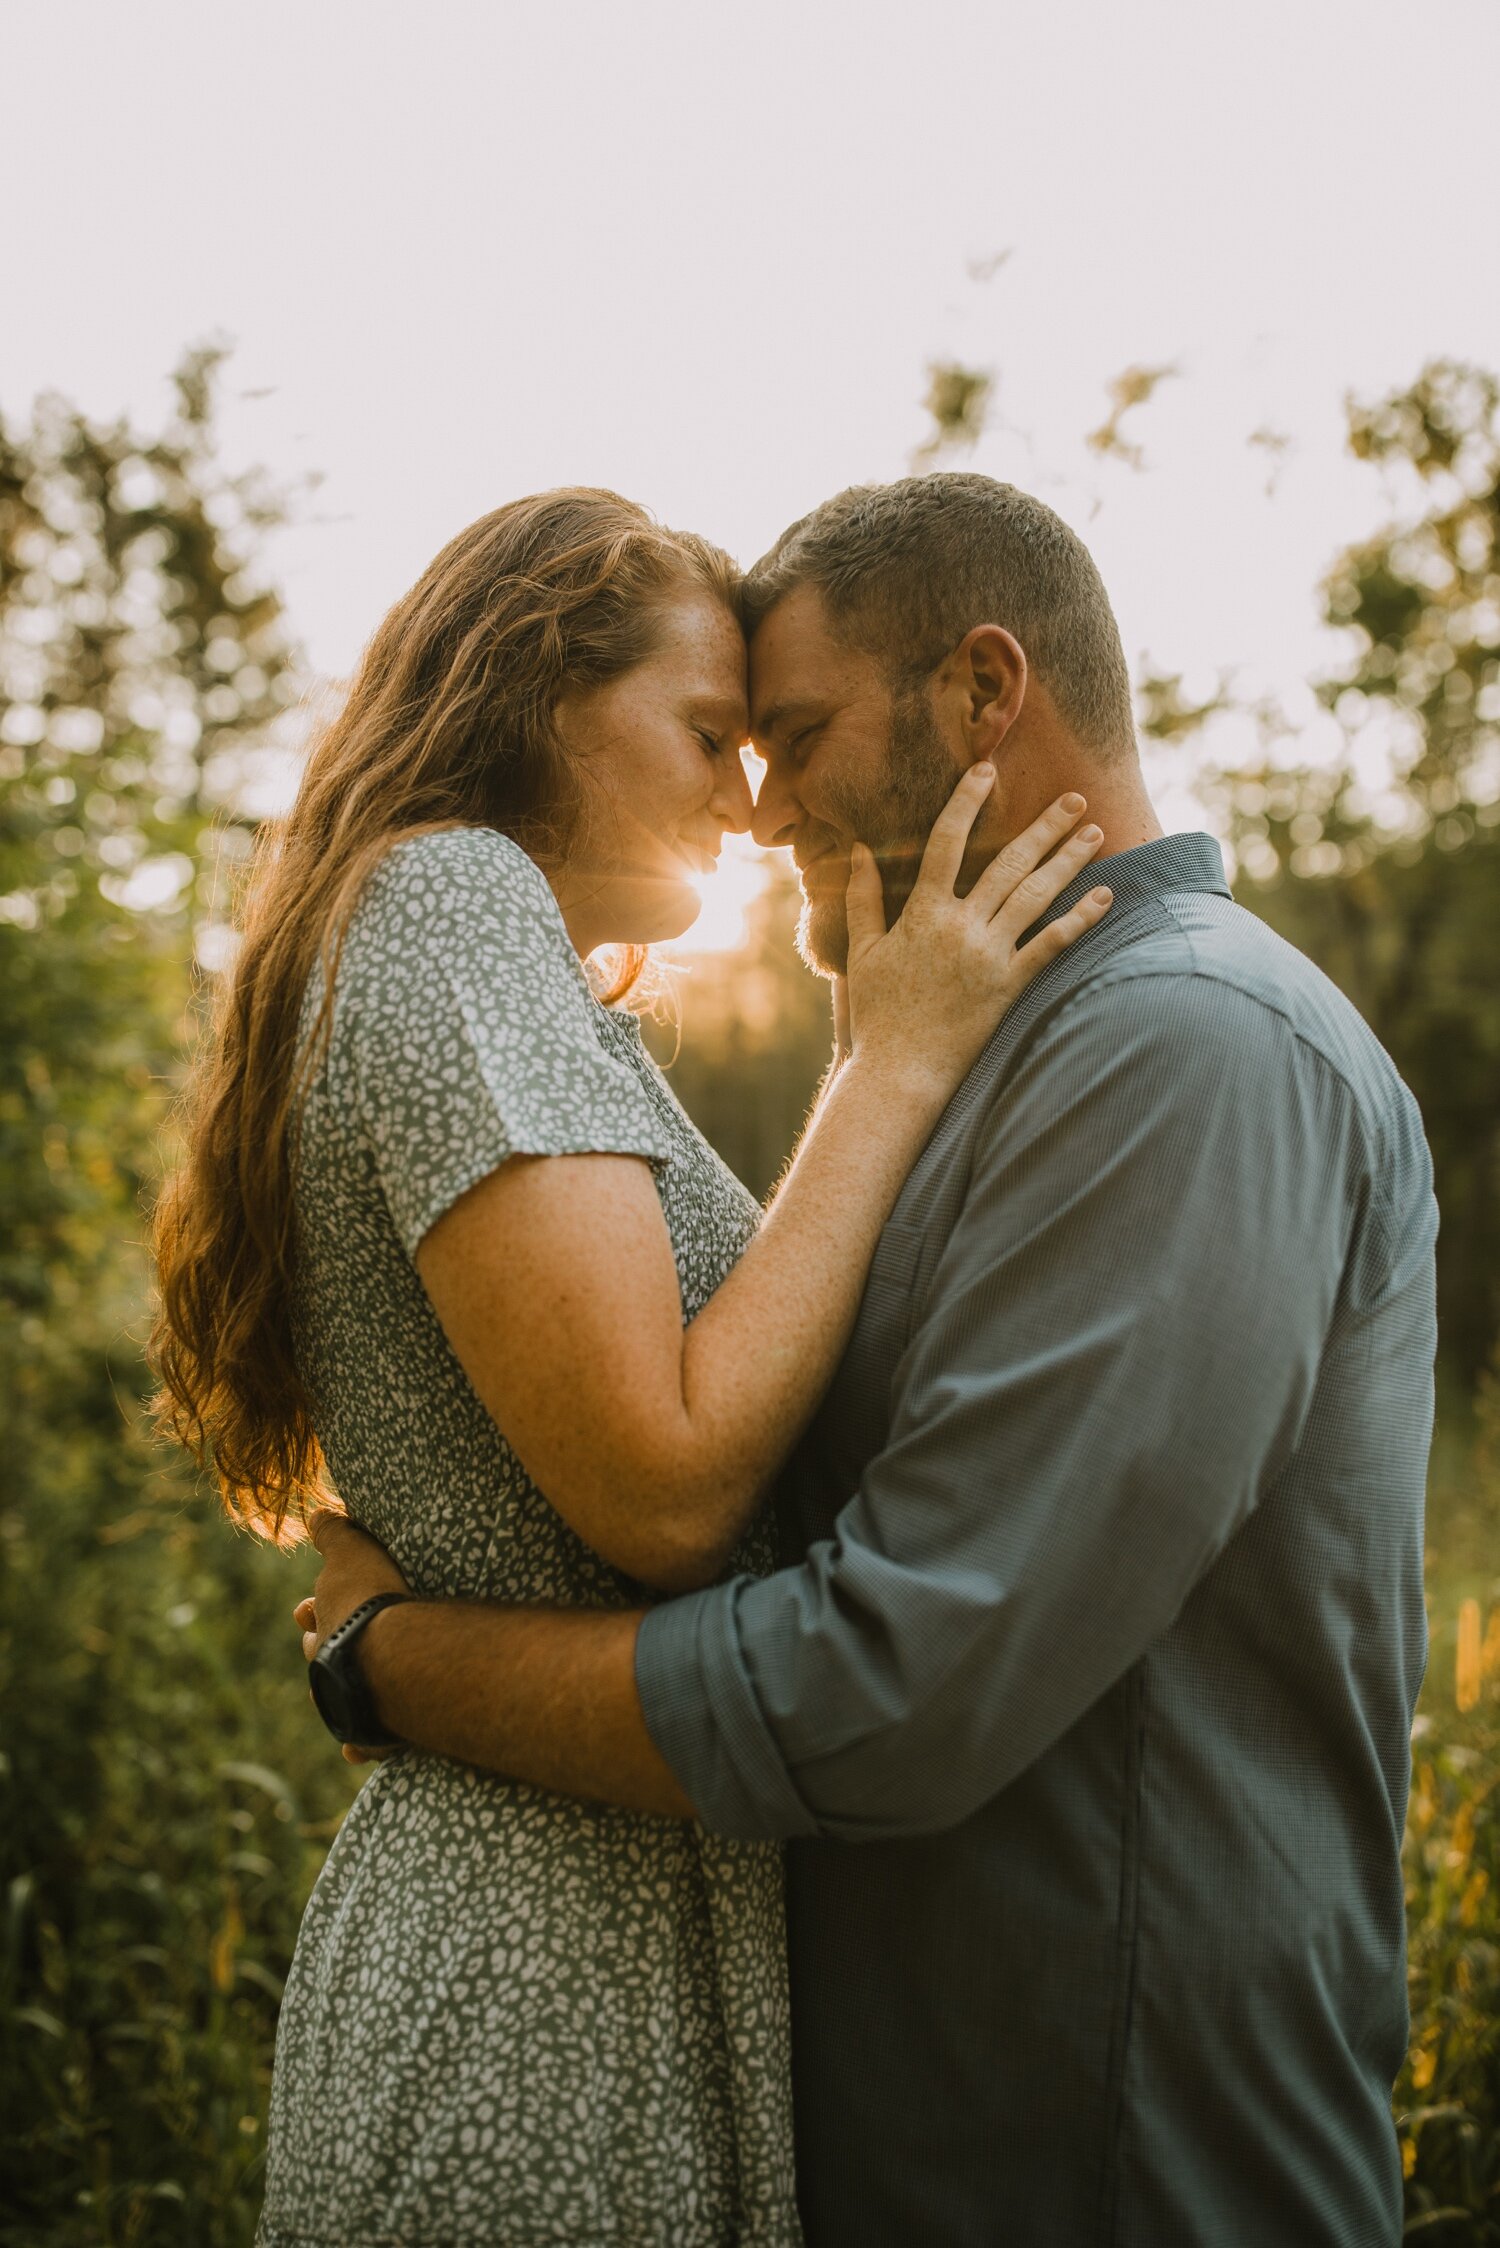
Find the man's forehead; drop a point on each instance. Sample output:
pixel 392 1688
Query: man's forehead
pixel 797 664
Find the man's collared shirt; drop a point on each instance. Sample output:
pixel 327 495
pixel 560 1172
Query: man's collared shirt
pixel 1085 1698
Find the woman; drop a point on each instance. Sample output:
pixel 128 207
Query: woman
pixel 512 2017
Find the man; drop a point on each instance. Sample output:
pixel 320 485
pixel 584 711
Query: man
pixel 1084 1697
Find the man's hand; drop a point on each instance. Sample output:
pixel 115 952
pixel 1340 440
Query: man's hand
pixel 542 1695
pixel 355 1568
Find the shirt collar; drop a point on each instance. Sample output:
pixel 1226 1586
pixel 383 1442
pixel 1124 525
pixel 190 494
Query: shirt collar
pixel 1171 862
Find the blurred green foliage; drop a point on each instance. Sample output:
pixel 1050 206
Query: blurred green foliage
pixel 165 1797
pixel 1382 858
pixel 957 403
pixel 152 1865
pixel 1448 2099
pixel 1134 387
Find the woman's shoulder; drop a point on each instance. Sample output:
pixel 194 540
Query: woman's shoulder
pixel 452 873
pixel 455 918
pixel 456 894
pixel 463 1030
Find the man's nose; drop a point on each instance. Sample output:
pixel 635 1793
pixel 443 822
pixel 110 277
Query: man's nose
pixel 777 810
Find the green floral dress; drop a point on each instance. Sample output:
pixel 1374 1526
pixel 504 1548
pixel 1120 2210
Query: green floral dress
pixel 512 2018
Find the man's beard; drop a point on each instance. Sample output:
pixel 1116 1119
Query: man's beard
pixel 893 814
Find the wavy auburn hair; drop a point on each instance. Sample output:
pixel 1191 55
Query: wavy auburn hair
pixel 449 722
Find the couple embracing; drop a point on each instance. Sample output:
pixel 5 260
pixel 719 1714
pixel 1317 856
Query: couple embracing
pixel 894 1708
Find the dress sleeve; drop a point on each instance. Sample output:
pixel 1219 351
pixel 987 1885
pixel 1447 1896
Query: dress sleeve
pixel 464 1028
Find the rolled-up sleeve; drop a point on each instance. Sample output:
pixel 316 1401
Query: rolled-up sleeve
pixel 1106 1371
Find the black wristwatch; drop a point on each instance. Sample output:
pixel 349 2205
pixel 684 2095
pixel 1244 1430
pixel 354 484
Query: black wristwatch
pixel 339 1692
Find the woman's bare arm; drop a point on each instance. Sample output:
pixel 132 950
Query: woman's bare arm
pixel 554 1277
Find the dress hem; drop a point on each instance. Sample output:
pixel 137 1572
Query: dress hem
pixel 779 2236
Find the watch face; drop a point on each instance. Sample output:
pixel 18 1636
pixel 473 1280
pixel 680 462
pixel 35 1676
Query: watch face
pixel 331 1699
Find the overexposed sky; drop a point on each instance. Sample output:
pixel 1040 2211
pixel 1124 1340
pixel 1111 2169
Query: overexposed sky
pixel 703 253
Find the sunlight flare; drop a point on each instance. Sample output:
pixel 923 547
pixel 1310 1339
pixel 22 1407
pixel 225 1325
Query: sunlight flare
pixel 727 896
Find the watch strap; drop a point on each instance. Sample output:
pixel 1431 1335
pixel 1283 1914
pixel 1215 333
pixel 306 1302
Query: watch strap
pixel 338 1653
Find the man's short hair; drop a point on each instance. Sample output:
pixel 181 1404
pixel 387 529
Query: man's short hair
pixel 906 569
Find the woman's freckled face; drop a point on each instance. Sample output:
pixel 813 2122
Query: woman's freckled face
pixel 664 780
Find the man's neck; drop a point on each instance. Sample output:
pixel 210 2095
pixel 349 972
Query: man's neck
pixel 1125 832
pixel 1117 803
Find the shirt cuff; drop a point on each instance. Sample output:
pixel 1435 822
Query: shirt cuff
pixel 701 1711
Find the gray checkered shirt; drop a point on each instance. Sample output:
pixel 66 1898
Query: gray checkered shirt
pixel 1085 1697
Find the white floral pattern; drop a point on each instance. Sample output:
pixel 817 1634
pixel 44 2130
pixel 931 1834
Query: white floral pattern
pixel 512 2018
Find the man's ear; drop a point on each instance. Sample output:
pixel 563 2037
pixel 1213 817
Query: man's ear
pixel 983 685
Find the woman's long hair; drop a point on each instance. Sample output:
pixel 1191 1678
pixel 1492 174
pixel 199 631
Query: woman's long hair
pixel 448 722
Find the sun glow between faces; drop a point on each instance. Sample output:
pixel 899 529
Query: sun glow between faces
pixel 727 896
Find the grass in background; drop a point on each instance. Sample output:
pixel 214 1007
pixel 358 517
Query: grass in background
pixel 1448 2099
pixel 175 1797
pixel 172 1796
